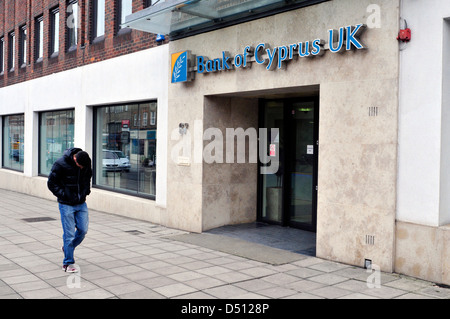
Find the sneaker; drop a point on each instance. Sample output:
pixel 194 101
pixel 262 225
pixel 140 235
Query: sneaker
pixel 69 268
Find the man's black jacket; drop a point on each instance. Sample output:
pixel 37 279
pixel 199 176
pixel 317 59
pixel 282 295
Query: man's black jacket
pixel 68 182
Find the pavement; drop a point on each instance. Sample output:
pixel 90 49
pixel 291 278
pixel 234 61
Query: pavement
pixel 123 258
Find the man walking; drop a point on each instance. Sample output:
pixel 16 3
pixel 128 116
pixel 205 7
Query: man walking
pixel 70 182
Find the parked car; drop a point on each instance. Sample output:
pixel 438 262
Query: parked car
pixel 115 161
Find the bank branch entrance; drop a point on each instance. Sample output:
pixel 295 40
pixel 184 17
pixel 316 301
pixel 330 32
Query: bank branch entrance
pixel 288 197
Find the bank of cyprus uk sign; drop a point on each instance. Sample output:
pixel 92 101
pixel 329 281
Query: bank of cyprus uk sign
pixel 185 65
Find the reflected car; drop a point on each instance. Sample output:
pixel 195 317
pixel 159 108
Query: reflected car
pixel 124 161
pixel 115 161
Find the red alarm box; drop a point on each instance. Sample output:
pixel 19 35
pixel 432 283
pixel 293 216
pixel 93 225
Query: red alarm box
pixel 404 35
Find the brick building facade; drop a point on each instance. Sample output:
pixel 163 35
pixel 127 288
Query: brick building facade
pixel 18 15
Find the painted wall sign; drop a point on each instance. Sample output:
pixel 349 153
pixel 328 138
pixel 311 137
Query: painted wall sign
pixel 342 40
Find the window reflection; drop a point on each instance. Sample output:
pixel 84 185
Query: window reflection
pixel 100 28
pixel 125 10
pixel 126 148
pixel 56 134
pixel 72 24
pixel 55 30
pixel 13 142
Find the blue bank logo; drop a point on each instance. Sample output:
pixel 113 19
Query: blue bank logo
pixel 180 67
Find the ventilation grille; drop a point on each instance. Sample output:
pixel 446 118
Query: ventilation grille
pixel 134 232
pixel 370 240
pixel 373 111
pixel 38 219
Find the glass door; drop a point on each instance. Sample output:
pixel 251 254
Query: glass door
pixel 272 183
pixel 289 196
pixel 302 165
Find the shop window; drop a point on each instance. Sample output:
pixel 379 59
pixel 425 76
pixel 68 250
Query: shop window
pixel 56 134
pixel 125 150
pixel 13 142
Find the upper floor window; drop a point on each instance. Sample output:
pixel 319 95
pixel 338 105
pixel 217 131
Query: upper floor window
pixel 54 24
pixel 23 46
pixel 125 8
pixel 72 25
pixel 11 51
pixel 2 55
pixel 98 19
pixel 152 118
pixel 145 119
pixel 39 38
pixel 148 3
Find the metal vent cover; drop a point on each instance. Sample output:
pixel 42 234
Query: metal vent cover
pixel 370 240
pixel 373 111
pixel 38 219
pixel 134 232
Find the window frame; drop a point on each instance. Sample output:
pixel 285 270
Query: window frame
pixel 11 51
pixel 53 112
pixel 119 29
pixel 22 137
pixel 148 3
pixel 2 55
pixel 72 44
pixel 95 37
pixel 39 38
pixel 153 118
pixel 96 142
pixel 23 46
pixel 54 32
pixel 144 119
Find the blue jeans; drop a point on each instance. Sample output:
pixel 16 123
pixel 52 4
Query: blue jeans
pixel 75 221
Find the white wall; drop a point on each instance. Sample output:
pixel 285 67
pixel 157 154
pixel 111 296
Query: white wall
pixel 422 125
pixel 133 77
pixel 444 216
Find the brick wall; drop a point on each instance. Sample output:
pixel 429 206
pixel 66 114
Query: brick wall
pixel 16 13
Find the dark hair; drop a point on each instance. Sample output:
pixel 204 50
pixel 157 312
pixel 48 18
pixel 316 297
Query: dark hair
pixel 83 159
